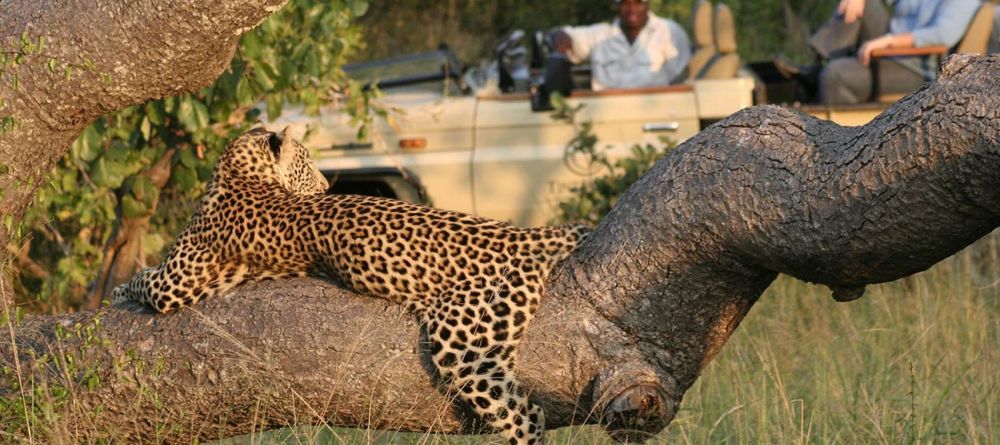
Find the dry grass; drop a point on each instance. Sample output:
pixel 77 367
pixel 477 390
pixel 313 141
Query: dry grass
pixel 915 361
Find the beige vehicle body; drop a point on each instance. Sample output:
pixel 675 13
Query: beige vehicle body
pixel 489 154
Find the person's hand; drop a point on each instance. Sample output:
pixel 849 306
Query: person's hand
pixel 865 52
pixel 851 10
pixel 562 42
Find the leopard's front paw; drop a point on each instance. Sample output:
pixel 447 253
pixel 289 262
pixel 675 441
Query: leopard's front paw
pixel 119 295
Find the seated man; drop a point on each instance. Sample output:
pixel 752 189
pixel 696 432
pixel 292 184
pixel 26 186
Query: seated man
pixel 859 27
pixel 638 49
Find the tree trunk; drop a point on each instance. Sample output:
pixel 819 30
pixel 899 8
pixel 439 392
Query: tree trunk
pixel 120 53
pixel 628 322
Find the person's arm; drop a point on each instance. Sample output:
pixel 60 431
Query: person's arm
pixel 577 41
pixel 851 10
pixel 674 66
pixel 946 29
pixel 950 22
pixel 901 40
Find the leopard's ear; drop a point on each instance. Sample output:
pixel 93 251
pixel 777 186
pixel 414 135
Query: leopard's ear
pixel 275 141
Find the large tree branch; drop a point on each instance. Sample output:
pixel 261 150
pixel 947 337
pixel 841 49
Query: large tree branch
pixel 627 323
pixel 121 52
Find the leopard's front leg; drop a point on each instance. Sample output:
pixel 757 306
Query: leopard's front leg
pixel 478 365
pixel 175 284
pixel 494 394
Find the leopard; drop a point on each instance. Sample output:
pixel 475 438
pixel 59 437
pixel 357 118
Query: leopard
pixel 473 283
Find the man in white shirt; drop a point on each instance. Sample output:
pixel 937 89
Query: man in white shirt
pixel 638 49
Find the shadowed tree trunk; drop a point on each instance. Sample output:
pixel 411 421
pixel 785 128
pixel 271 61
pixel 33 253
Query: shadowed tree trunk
pixel 627 323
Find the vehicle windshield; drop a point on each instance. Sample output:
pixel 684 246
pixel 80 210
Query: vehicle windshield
pixel 433 71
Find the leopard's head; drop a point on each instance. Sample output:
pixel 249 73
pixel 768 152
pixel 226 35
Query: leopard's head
pixel 271 157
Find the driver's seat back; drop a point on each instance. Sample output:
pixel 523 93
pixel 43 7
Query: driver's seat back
pixel 704 38
pixel 714 55
pixel 977 35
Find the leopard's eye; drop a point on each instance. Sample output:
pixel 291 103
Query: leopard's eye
pixel 274 141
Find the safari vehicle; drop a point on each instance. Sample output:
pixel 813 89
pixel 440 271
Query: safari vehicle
pixel 468 140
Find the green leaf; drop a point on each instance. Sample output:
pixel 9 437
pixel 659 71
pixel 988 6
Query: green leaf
pixel 185 114
pixel 145 191
pixel 201 113
pixel 263 80
pixel 271 74
pixel 250 45
pixel 312 63
pixel 52 66
pixel 274 105
pixel 170 104
pixel 108 174
pixel 7 124
pixel 68 181
pixel 154 112
pixel 152 243
pixel 117 153
pixel 188 158
pixel 193 114
pixel 185 178
pixel 88 145
pixel 359 7
pixel 244 92
pixel 133 208
pixel 146 128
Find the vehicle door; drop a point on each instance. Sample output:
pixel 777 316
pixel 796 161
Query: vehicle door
pixel 520 167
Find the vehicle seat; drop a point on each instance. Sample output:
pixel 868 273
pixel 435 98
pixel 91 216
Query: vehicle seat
pixel 704 38
pixel 724 63
pixel 977 37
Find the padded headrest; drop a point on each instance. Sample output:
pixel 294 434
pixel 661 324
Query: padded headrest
pixel 725 29
pixel 701 24
pixel 977 36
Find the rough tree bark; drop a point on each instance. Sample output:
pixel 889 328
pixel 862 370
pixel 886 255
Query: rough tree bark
pixel 628 322
pixel 136 51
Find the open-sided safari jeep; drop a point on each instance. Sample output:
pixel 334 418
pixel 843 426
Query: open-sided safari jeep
pixel 468 140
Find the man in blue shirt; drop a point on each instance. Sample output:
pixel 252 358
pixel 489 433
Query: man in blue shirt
pixel 861 26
